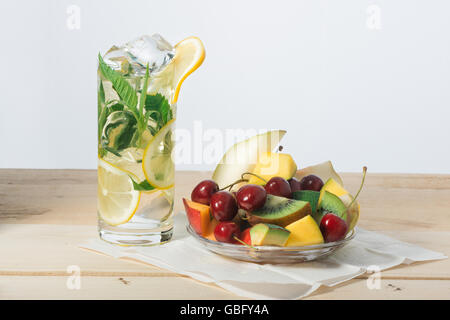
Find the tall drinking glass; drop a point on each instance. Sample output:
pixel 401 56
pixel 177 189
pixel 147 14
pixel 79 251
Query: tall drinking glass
pixel 138 85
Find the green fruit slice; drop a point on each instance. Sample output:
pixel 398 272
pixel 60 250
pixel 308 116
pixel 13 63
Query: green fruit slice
pixel 308 195
pixel 280 211
pixel 265 234
pixel 331 203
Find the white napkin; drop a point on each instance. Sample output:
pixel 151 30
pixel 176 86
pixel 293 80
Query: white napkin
pixel 184 255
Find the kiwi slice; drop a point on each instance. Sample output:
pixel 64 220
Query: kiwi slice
pixel 331 203
pixel 279 211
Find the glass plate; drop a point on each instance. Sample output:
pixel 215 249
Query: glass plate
pixel 271 254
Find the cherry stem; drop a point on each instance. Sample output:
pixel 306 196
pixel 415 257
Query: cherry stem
pixel 236 182
pixel 242 242
pixel 242 180
pixel 252 174
pixel 360 187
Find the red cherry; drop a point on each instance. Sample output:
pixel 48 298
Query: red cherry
pixel 245 236
pixel 333 228
pixel 295 184
pixel 223 206
pixel 311 182
pixel 203 191
pixel 226 231
pixel 251 197
pixel 278 186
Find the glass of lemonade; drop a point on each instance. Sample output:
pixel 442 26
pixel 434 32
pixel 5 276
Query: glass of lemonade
pixel 138 85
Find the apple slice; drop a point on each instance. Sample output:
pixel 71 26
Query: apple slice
pixel 198 216
pixel 243 156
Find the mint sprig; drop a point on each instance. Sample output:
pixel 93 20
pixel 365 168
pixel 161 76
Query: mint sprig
pixel 143 107
pixel 120 85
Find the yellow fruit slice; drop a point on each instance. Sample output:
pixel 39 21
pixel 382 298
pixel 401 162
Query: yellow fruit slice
pixel 189 55
pixel 304 232
pixel 157 163
pixel 333 187
pixel 117 199
pixel 273 164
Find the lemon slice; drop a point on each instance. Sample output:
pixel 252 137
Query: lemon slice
pixel 129 161
pixel 157 163
pixel 117 199
pixel 189 55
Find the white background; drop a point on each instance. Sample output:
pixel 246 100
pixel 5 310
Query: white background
pixel 343 91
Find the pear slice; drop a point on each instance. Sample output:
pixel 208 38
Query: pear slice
pixel 323 170
pixel 242 157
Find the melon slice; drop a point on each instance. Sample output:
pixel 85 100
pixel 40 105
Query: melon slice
pixel 243 156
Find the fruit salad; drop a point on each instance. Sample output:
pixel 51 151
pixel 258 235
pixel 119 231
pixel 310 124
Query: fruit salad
pixel 248 204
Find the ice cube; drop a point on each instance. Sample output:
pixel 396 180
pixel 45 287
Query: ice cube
pixel 117 59
pixel 154 50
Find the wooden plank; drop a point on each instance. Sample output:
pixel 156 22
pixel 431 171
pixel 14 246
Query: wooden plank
pixel 55 247
pixel 25 287
pixel 389 201
pixel 34 249
pixel 48 196
pixel 390 289
pixel 62 196
pixel 117 287
pixel 437 241
pixel 45 214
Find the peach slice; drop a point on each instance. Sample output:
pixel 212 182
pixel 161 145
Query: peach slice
pixel 198 216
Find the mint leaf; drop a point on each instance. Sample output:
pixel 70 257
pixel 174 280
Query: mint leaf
pixel 100 98
pixel 143 186
pixel 119 131
pixel 122 87
pixel 153 102
pixel 113 151
pixel 101 121
pixel 107 109
pixel 158 109
pixel 116 107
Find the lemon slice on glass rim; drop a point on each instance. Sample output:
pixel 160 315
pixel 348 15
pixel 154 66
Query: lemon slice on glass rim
pixel 157 163
pixel 117 199
pixel 189 55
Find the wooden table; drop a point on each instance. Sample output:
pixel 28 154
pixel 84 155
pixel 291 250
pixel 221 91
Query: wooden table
pixel 46 214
